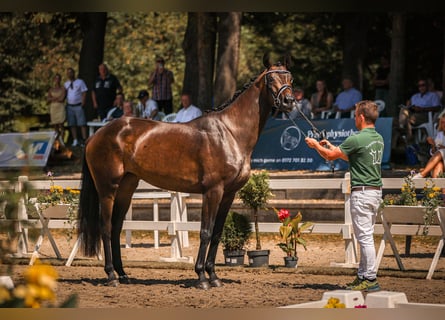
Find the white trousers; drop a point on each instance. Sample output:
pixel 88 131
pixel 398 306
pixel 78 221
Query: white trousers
pixel 364 207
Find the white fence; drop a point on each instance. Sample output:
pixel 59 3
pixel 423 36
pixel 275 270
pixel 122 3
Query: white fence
pixel 178 226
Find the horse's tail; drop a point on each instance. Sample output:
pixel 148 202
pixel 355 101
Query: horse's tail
pixel 89 216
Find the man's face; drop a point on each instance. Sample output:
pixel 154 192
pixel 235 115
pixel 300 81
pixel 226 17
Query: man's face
pixel 102 70
pixel 347 84
pixel 422 86
pixel 185 101
pixel 70 74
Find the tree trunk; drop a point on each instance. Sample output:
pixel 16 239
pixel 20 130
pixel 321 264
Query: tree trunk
pixel 354 47
pixel 191 56
pixel 443 65
pixel 257 229
pixel 397 74
pixel 93 25
pixel 229 31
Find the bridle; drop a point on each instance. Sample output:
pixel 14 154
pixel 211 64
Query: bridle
pixel 276 96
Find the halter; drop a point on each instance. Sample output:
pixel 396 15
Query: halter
pixel 276 97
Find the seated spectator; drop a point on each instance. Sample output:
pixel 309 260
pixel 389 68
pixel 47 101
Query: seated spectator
pixel 346 100
pixel 188 111
pixel 322 99
pixel 128 109
pixel 436 163
pixel 147 108
pixel 417 107
pixel 117 110
pixel 303 105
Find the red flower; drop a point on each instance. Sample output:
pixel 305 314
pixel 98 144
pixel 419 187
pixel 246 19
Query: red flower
pixel 283 214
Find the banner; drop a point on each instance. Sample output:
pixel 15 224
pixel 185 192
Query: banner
pixel 281 145
pixel 26 149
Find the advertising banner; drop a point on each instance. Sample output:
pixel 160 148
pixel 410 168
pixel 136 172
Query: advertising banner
pixel 26 149
pixel 281 145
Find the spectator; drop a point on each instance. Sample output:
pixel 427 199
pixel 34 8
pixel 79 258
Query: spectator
pixel 162 79
pixel 57 112
pixel 118 108
pixel 188 111
pixel 417 107
pixel 75 98
pixel 104 92
pixel 436 163
pixel 147 108
pixel 381 80
pixel 128 109
pixel 346 100
pixel 302 104
pixel 322 99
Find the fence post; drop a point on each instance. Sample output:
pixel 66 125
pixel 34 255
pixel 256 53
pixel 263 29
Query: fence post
pixel 348 234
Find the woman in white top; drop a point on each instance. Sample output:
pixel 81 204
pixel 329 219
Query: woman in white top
pixel 437 161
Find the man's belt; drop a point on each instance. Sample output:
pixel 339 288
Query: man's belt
pixel 363 188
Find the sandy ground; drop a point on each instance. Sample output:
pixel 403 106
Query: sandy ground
pixel 157 284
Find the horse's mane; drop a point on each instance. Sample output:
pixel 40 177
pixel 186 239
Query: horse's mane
pixel 235 95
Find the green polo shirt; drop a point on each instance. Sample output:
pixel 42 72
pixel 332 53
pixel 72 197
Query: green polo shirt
pixel 365 152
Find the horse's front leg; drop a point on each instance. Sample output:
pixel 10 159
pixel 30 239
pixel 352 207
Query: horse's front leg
pixel 216 236
pixel 210 205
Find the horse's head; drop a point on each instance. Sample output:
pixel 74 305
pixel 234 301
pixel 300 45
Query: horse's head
pixel 278 80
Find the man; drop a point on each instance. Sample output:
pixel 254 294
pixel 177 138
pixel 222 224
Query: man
pixel 188 111
pixel 346 100
pixel 417 108
pixel 364 153
pixel 162 79
pixel 76 91
pixel 147 108
pixel 118 108
pixel 104 92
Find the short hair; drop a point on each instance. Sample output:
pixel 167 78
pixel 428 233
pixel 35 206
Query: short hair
pixel 368 109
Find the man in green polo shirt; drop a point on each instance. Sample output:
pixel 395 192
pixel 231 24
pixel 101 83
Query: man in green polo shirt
pixel 364 153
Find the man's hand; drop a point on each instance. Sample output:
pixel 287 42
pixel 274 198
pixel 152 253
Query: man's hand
pixel 311 142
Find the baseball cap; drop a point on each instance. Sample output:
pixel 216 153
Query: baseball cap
pixel 142 94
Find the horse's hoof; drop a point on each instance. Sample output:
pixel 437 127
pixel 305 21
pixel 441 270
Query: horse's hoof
pixel 216 283
pixel 124 279
pixel 204 285
pixel 112 283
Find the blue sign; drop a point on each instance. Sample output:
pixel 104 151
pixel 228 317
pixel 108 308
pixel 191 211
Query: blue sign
pixel 281 145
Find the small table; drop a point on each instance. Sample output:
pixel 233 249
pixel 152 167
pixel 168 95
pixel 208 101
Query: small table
pixel 94 124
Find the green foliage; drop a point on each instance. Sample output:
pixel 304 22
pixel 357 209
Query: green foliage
pixel 236 232
pixel 256 192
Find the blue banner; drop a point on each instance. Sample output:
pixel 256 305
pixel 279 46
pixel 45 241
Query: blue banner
pixel 281 145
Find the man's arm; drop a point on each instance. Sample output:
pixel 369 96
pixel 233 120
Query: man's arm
pixel 327 150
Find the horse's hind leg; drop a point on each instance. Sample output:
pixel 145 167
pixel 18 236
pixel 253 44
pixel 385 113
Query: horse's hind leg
pixel 122 202
pixel 216 236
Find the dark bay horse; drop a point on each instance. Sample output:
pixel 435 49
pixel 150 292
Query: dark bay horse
pixel 208 155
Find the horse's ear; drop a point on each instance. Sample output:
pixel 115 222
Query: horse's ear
pixel 266 60
pixel 287 60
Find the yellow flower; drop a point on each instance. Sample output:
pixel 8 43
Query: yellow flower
pixel 4 295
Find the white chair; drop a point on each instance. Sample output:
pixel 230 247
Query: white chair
pixel 380 105
pixel 160 116
pixel 427 128
pixel 170 117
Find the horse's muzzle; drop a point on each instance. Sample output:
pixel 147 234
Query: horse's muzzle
pixel 288 103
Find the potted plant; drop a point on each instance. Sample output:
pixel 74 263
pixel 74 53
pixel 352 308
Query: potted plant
pixel 291 235
pixel 255 194
pixel 235 235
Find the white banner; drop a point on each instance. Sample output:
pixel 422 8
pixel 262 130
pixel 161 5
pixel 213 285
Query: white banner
pixel 26 149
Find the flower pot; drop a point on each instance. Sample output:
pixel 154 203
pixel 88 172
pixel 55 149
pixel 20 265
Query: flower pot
pixel 290 262
pixel 234 257
pixel 58 211
pixel 258 258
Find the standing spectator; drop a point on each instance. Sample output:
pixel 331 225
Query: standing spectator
pixel 322 99
pixel 381 80
pixel 417 107
pixel 56 96
pixel 104 92
pixel 188 111
pixel 346 100
pixel 364 152
pixel 147 108
pixel 162 79
pixel 76 94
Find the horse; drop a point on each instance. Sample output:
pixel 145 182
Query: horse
pixel 209 155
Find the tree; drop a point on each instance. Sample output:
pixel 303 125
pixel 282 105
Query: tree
pixel 93 26
pixel 229 29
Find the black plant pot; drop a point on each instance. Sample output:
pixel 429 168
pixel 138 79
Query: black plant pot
pixel 290 262
pixel 234 258
pixel 258 258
